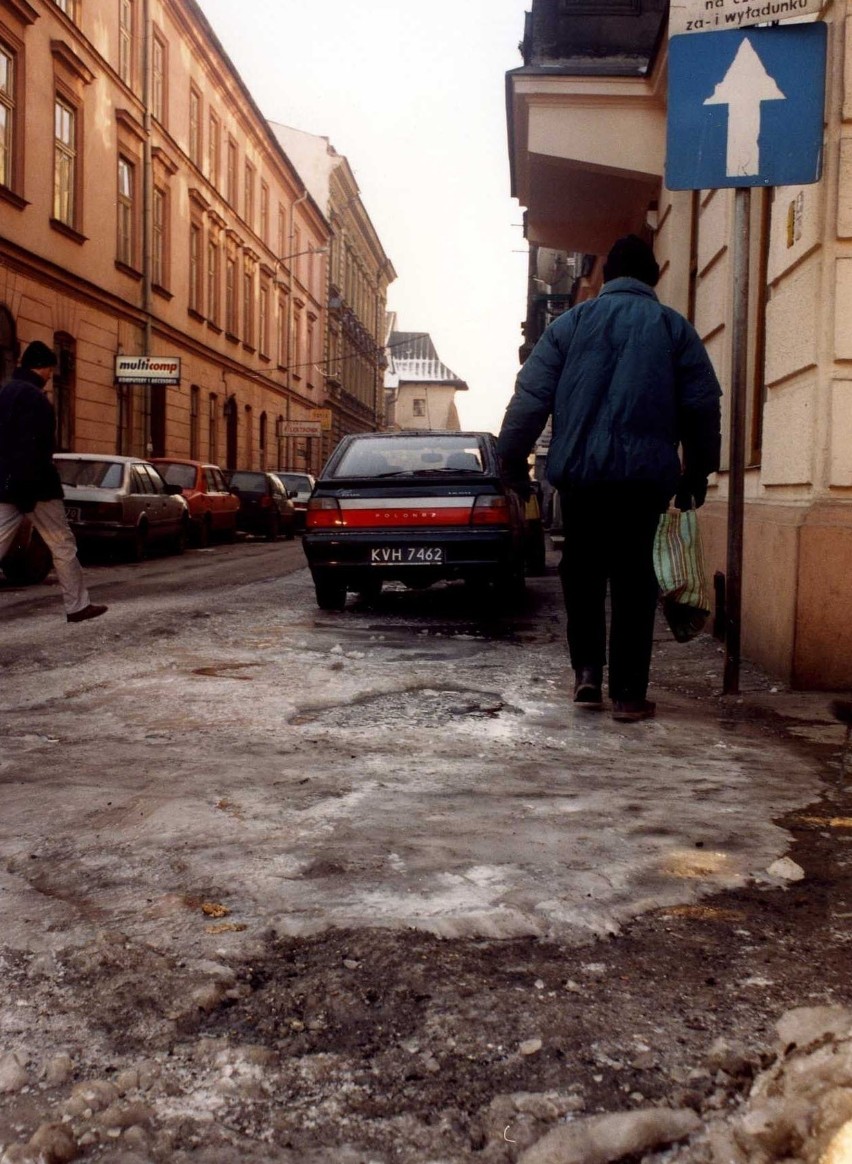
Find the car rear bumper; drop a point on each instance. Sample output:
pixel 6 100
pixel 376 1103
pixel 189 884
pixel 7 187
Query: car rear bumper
pixel 466 553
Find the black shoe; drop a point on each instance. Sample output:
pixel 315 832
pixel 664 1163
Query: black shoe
pixel 633 710
pixel 90 611
pixel 587 689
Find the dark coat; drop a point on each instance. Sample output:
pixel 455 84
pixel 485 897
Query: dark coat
pixel 27 442
pixel 626 380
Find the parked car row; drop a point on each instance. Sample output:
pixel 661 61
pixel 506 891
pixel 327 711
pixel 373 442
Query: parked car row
pixel 412 507
pixel 134 505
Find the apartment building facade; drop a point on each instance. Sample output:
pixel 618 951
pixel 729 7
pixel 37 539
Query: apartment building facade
pixel 147 210
pixel 587 142
pixel 359 275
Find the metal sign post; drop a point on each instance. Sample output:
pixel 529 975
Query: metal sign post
pixel 745 108
pixel 736 472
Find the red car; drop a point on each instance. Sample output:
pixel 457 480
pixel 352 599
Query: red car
pixel 213 508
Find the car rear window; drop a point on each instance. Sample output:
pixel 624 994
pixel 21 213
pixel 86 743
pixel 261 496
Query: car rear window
pixel 250 482
pixel 183 475
pixel 91 474
pixel 294 483
pixel 389 456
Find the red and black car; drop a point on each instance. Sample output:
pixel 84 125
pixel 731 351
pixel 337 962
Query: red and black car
pixel 415 507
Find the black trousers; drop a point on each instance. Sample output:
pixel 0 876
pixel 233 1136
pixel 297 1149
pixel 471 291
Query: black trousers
pixel 609 538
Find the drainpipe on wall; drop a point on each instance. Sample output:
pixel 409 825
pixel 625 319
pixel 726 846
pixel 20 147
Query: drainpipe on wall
pixel 147 208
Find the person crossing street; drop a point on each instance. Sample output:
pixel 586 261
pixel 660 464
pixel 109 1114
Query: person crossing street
pixel 29 482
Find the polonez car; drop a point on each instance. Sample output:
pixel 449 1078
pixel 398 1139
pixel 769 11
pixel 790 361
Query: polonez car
pixel 122 502
pixel 414 507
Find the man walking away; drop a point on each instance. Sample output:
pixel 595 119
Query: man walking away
pixel 29 482
pixel 626 380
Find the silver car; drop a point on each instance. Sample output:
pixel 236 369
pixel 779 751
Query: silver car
pixel 122 501
pixel 300 486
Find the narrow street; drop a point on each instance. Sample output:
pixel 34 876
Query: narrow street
pixel 280 885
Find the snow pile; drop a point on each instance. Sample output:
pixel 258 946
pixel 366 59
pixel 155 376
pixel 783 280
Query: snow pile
pixel 799 1110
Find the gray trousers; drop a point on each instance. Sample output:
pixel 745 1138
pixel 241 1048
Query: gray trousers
pixel 49 519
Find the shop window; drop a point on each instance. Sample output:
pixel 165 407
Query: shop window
pixel 64 390
pixel 8 345
pixel 194 422
pixel 213 428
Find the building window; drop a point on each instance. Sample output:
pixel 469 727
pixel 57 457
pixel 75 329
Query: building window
pixel 125 212
pixel 7 116
pixel 263 321
pixel 64 163
pixel 69 7
pixel 64 383
pixel 195 125
pixel 279 441
pixel 160 238
pixel 213 429
pixel 249 201
pixel 231 295
pixel 213 281
pixel 194 418
pixel 125 41
pixel 418 407
pixel 264 212
pixel 248 306
pixel 195 268
pixel 159 75
pixel 231 191
pixel 214 139
pixel 281 328
pixel 282 231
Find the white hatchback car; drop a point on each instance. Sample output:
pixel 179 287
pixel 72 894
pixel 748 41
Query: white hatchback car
pixel 122 500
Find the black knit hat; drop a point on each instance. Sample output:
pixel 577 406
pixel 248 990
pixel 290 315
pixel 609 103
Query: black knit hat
pixel 38 355
pixel 632 257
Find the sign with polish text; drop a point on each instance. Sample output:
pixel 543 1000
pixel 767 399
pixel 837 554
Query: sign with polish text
pixel 716 15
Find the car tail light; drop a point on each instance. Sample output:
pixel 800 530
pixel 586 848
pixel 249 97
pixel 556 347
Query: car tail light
pixel 106 511
pixel 324 513
pixel 489 509
pixel 265 502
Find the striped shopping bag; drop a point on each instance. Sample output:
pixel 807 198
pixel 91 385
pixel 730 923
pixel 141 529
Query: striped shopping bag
pixel 679 566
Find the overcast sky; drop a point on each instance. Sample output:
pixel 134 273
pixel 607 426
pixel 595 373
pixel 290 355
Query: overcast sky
pixel 414 96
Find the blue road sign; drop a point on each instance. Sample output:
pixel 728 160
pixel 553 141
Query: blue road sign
pixel 745 107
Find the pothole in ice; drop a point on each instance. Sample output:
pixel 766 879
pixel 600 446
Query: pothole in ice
pixel 416 707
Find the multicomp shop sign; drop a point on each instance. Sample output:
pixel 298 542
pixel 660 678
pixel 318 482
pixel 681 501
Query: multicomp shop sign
pixel 147 369
pixel 717 15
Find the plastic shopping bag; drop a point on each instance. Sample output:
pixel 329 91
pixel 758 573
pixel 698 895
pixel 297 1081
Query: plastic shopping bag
pixel 679 566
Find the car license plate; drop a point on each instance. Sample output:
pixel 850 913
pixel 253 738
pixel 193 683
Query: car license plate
pixel 407 556
pixel 72 512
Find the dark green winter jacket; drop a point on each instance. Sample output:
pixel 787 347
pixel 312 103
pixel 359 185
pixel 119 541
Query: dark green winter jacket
pixel 626 380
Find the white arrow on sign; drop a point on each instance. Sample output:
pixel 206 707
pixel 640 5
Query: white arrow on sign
pixel 743 88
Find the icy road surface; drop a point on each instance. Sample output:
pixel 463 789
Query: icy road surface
pixel 407 765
